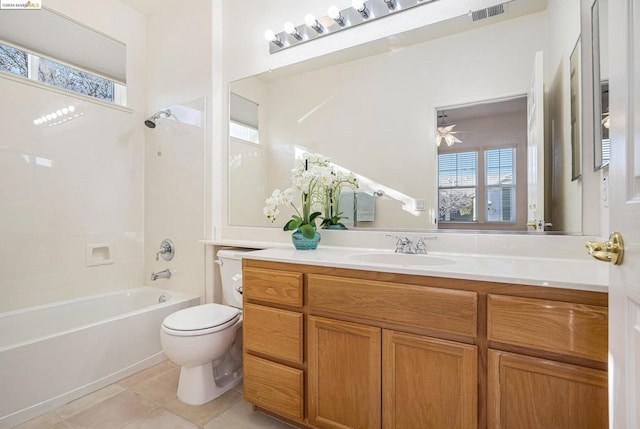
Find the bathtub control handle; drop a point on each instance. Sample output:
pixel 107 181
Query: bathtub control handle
pixel 167 250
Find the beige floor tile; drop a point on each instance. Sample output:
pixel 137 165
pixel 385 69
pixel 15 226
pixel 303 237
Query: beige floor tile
pixel 146 374
pixel 114 413
pixel 89 400
pixel 242 416
pixel 44 421
pixel 62 425
pixel 160 388
pixel 204 413
pixel 162 419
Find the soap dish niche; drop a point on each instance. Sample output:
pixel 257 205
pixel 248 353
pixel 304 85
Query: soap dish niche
pixel 99 254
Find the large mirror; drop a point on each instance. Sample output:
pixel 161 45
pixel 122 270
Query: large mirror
pixel 600 31
pixel 378 117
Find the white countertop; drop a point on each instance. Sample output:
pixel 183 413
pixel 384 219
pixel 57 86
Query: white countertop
pixel 535 271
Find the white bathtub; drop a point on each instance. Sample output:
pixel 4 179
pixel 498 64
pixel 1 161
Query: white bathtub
pixel 52 354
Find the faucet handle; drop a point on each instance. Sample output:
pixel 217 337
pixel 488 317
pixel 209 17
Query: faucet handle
pixel 400 242
pixel 167 250
pixel 421 246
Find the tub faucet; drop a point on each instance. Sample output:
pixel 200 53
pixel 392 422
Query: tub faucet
pixel 164 274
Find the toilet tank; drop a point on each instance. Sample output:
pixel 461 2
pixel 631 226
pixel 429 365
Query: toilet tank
pixel 230 262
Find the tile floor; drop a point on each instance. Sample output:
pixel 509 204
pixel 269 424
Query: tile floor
pixel 147 400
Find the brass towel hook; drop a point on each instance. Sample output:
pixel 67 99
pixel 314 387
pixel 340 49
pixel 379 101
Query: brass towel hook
pixel 609 251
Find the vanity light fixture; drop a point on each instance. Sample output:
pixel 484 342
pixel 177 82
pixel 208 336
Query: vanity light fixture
pixel 362 8
pixel 312 22
pixel 292 31
pixel 335 14
pixel 273 38
pixel 337 20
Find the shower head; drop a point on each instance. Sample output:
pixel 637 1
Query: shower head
pixel 151 121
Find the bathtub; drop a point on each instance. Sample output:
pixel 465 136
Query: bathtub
pixel 52 354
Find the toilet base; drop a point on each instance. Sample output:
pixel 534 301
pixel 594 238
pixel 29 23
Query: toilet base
pixel 198 386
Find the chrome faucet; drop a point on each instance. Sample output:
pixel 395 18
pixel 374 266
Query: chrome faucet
pixel 164 274
pixel 405 245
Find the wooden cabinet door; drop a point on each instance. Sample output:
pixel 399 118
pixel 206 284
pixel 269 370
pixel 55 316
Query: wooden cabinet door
pixel 344 374
pixel 428 383
pixel 531 393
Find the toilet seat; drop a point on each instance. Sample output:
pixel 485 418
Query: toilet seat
pixel 200 320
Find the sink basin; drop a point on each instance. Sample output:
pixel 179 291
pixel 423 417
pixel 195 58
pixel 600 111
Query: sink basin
pixel 404 259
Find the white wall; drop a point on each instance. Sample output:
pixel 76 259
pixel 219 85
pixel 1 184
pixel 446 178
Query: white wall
pixel 75 184
pixel 177 185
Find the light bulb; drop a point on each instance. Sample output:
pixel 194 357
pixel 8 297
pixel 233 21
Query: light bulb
pixel 270 36
pixel 391 4
pixel 289 27
pixel 312 22
pixel 72 108
pixel 334 13
pixel 361 8
pixel 65 110
pixel 59 112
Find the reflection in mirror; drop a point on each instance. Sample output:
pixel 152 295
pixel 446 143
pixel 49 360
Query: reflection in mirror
pixel 482 180
pixel 576 112
pixel 376 115
pixel 599 27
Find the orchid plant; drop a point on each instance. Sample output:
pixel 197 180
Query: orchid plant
pixel 339 181
pixel 309 179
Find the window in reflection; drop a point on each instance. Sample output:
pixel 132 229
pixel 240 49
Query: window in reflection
pixel 457 186
pixel 501 185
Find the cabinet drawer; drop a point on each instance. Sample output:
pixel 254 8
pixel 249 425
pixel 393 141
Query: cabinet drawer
pixel 274 387
pixel 278 287
pixel 430 308
pixel 572 329
pixel 274 332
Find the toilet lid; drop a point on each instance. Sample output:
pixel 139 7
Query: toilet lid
pixel 201 317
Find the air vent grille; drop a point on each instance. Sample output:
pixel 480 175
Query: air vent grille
pixel 489 12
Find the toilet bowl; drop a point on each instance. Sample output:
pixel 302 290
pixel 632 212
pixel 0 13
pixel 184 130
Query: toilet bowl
pixel 206 340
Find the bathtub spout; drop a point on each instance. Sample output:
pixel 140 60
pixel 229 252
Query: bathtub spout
pixel 164 274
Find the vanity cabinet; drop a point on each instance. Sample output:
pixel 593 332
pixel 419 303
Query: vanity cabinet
pixel 273 341
pixel 533 392
pixel 370 375
pixel 341 348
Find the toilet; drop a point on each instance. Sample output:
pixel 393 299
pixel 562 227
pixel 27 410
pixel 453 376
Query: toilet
pixel 206 340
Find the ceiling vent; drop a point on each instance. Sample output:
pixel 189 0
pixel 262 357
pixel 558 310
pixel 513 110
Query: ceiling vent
pixel 489 12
